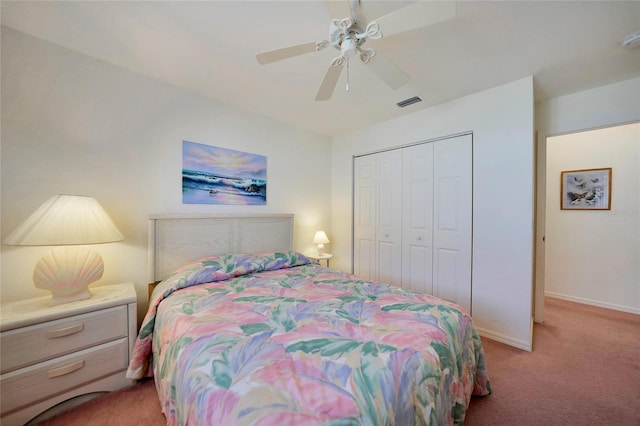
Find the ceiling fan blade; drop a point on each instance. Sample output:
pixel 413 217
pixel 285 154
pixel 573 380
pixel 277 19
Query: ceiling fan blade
pixel 416 15
pixel 329 82
pixel 285 53
pixel 389 72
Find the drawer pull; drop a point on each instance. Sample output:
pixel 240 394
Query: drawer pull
pixel 66 331
pixel 65 369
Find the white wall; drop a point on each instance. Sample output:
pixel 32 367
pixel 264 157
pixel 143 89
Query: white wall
pixel 75 125
pixel 603 106
pixel 594 256
pixel 501 120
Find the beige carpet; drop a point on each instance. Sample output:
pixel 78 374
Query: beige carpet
pixel 584 370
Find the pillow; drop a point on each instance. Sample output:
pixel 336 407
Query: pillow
pixel 218 268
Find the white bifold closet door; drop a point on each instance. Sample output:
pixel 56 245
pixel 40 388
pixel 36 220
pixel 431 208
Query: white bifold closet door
pixel 377 217
pixel 417 212
pixel 452 217
pixel 364 217
pixel 412 218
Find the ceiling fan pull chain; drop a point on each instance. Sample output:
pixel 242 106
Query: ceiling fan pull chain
pixel 347 88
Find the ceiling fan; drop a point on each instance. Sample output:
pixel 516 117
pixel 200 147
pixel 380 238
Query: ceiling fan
pixel 349 35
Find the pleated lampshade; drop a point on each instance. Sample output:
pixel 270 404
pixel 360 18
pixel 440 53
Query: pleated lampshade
pixel 66 220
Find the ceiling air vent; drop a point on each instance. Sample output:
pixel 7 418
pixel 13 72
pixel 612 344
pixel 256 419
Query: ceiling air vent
pixel 409 101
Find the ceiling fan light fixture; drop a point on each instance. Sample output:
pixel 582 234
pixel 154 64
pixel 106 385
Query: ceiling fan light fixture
pixel 349 47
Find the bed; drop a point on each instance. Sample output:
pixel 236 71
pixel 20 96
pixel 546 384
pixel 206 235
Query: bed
pixel 272 338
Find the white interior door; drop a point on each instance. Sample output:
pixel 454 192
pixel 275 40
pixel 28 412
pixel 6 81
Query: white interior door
pixel 417 218
pixel 453 164
pixel 389 219
pixel 364 219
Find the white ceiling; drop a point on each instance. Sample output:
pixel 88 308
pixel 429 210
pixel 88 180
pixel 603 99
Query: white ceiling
pixel 209 47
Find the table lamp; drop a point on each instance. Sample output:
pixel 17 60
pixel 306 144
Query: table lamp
pixel 320 239
pixel 69 221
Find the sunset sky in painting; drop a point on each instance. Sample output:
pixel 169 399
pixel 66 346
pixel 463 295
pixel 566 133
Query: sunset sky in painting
pixel 223 162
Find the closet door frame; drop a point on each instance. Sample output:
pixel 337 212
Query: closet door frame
pixel 468 272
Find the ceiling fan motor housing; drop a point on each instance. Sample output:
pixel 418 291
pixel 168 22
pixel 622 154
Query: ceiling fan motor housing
pixel 346 39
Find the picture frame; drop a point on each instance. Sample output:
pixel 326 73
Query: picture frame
pixel 586 189
pixel 215 175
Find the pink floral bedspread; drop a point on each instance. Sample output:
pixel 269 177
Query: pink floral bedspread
pixel 273 339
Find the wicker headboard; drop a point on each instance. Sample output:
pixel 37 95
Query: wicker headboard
pixel 177 239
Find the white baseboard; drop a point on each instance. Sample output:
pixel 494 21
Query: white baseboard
pixel 504 339
pixel 591 302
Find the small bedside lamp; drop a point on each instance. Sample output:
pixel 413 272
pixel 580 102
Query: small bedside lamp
pixel 70 221
pixel 320 239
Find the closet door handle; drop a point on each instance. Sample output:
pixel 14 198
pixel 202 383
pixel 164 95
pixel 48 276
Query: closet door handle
pixel 66 331
pixel 419 238
pixel 65 369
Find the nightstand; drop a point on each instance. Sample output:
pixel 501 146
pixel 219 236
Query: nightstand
pixel 319 257
pixel 51 354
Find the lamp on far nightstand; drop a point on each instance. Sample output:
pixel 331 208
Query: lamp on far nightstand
pixel 70 221
pixel 320 239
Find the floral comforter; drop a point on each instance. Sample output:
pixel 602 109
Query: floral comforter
pixel 273 339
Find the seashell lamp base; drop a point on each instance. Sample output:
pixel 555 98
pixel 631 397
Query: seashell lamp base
pixel 67 272
pixel 60 299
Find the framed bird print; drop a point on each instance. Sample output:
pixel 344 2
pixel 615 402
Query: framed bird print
pixel 588 189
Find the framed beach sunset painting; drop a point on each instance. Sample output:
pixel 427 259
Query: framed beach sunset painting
pixel 213 175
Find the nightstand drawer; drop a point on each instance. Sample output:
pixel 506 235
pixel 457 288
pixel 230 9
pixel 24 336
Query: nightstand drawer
pixel 29 385
pixel 41 342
